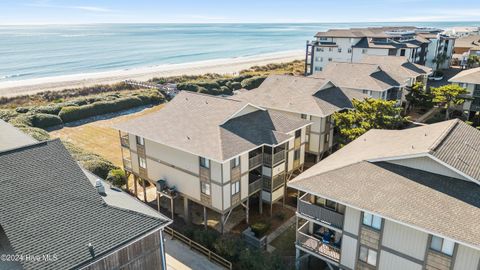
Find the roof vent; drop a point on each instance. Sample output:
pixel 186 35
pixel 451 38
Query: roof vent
pixel 413 147
pixel 425 134
pixel 99 186
pixel 206 101
pixel 91 250
pixel 188 138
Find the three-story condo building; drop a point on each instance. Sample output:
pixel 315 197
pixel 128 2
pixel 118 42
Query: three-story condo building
pixel 214 151
pixel 350 45
pixel 469 79
pixel 308 98
pixel 394 199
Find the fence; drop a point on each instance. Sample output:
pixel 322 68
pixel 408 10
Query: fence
pixel 212 256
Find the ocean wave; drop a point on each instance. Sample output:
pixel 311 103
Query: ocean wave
pixel 13 76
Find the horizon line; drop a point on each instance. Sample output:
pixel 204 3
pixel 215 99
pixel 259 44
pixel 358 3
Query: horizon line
pixel 344 22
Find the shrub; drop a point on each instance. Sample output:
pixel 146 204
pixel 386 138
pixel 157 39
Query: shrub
pixel 37 133
pixel 235 85
pixel 253 82
pixel 6 115
pixel 260 228
pixel 117 177
pixel 280 215
pixel 43 120
pixel 23 120
pixel 98 166
pixel 229 247
pixel 73 113
pixel 225 90
pixel 22 109
pixel 205 237
pixel 49 109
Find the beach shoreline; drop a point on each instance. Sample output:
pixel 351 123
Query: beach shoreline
pixel 220 66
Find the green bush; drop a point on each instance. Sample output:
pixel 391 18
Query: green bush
pixel 49 109
pixel 205 237
pixel 99 166
pixel 43 120
pixel 37 133
pixel 260 228
pixel 117 177
pixel 23 120
pixel 6 115
pixel 229 247
pixel 235 85
pixel 253 82
pixel 73 113
pixel 225 90
pixel 22 109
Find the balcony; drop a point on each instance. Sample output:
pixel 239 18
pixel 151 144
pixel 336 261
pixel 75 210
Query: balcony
pixel 255 161
pixel 476 92
pixel 277 157
pixel 319 213
pixel 316 245
pixel 254 186
pixel 272 184
pixel 297 142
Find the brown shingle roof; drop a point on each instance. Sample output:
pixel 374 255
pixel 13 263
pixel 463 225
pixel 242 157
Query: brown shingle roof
pixel 467 76
pixel 203 125
pixel 398 67
pixel 306 95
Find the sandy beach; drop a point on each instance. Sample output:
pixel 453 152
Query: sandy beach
pixel 221 66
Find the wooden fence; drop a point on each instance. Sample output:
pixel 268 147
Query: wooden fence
pixel 212 256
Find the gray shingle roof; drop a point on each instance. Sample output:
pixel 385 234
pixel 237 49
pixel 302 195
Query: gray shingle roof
pixel 467 76
pixel 48 206
pixel 430 202
pixel 359 76
pixel 297 94
pixel 10 137
pixel 203 125
pixel 398 67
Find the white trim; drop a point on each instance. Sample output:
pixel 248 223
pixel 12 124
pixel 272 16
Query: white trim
pixel 454 169
pixel 241 109
pixel 382 216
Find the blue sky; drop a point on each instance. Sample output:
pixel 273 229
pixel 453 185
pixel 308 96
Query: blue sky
pixel 228 11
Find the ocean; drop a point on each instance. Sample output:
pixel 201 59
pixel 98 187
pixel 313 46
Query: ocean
pixel 28 52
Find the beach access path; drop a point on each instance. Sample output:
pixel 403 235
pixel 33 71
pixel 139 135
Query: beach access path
pixel 220 66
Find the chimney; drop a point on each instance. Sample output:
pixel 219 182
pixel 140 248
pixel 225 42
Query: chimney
pixel 100 188
pixel 91 250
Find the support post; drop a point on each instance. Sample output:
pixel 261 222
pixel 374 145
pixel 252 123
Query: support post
pixel 271 208
pixel 158 202
pixel 135 180
pixel 297 259
pixel 205 221
pixel 247 209
pixel 186 212
pixel 126 182
pixel 260 203
pixel 222 224
pixel 172 207
pixel 144 190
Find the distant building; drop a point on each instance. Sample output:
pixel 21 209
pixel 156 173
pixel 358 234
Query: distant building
pixel 394 199
pixel 470 79
pixel 52 217
pixel 465 47
pixel 459 32
pixel 216 152
pixel 419 45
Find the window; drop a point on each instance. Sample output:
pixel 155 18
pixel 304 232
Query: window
pixel 321 59
pixel 319 49
pixel 339 50
pixel 303 116
pixel 205 188
pixel 329 59
pixel 368 255
pixel 364 51
pixel 235 162
pixel 235 187
pixel 298 133
pixel 349 50
pixel 323 38
pixel 402 52
pixel 296 154
pixel 140 141
pixel 142 162
pixel 318 69
pixel 372 221
pixel 205 163
pixel 330 49
pixel 442 245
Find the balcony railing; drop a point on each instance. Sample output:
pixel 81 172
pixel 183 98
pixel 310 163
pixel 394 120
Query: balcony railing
pixel 235 173
pixel 319 213
pixel 272 184
pixel 255 161
pixel 277 157
pixel 317 246
pixel 476 93
pixel 124 141
pixel 255 186
pixel 127 164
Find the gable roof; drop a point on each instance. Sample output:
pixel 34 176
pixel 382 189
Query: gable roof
pixel 471 42
pixel 398 67
pixel 297 94
pixel 48 206
pixel 203 125
pixel 467 76
pixel 11 137
pixel 359 76
pixel 427 201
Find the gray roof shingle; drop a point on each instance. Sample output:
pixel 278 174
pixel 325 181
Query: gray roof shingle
pixel 467 76
pixel 48 206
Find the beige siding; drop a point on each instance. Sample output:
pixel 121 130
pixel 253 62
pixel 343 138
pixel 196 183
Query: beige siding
pixel 352 220
pixel 467 259
pixel 279 168
pixel 290 154
pixel 226 171
pixel 248 109
pixel 314 142
pixel 217 195
pixel 429 165
pixel 404 239
pixel 185 183
pixel 172 156
pixel 277 193
pixel 389 261
pixel 226 196
pixel 135 167
pixel 244 187
pixel 132 139
pixel 244 163
pixel 216 171
pixel 349 252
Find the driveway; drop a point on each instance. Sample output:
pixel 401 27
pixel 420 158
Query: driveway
pixel 181 257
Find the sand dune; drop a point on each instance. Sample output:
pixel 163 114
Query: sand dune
pixel 221 66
